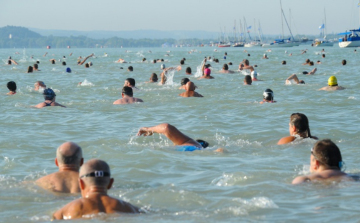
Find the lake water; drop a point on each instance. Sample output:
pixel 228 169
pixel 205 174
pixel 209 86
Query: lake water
pixel 249 182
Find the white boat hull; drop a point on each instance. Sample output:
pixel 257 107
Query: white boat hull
pixel 349 44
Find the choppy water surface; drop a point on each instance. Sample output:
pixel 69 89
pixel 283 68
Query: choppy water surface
pixel 251 181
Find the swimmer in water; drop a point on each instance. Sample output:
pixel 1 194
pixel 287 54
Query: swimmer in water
pixel 130 68
pixel 82 62
pixel 225 70
pixel 247 80
pixel 39 85
pixel 120 61
pixel 153 78
pixel 52 61
pixel 127 97
pixel 299 129
pixel 130 82
pixel 49 96
pixel 30 69
pixel 246 65
pixel 190 91
pixel 165 70
pixel 206 72
pixel 268 96
pixel 293 78
pixel 325 164
pixel 68 159
pixel 183 82
pixel 265 56
pixel 188 71
pixel 307 62
pixel 36 67
pixel 183 142
pixel 95 180
pixel 333 85
pixel 11 61
pixel 11 85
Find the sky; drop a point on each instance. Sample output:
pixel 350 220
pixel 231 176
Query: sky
pixel 206 15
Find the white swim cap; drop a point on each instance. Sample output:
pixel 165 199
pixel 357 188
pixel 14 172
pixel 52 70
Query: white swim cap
pixel 162 66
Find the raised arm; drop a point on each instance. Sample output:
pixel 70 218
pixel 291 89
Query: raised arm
pixel 171 132
pixel 293 77
pixel 82 62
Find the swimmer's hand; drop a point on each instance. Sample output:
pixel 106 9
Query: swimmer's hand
pixel 144 131
pixel 178 68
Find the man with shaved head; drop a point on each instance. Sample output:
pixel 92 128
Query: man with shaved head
pixel 190 91
pixel 95 180
pixel 68 159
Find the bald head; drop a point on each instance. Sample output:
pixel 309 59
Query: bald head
pixel 69 153
pixel 190 86
pixel 95 172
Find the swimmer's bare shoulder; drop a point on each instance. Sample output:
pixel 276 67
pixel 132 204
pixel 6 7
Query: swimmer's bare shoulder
pixel 286 140
pixel 94 205
pixel 323 177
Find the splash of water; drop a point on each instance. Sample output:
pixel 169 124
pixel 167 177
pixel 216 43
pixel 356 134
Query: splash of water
pixel 198 69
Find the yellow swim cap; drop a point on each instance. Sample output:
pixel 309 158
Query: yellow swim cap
pixel 332 81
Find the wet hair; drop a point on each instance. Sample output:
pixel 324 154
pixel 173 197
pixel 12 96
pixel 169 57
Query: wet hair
pixel 311 63
pixel 268 95
pixel 301 82
pixel 248 54
pixel 127 91
pixel 64 63
pixel 11 85
pixel 230 63
pixel 53 61
pixel 182 62
pixel 36 66
pixel 305 72
pixel 203 143
pixel 37 62
pixel 301 123
pixel 248 79
pixel 283 62
pixel 162 60
pixel 30 69
pixel 188 70
pixel 184 81
pixel 154 61
pixel 9 62
pixel 327 153
pixel 184 59
pixel 343 62
pixel 216 60
pixel 130 68
pixel 225 53
pixel 323 55
pixel 226 67
pixel 143 59
pixel 87 65
pixel 307 61
pixel 154 77
pixel 49 94
pixel 131 81
pixel 246 62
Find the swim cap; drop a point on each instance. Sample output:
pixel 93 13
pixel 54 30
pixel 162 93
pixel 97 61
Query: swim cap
pixel 207 71
pixel 49 94
pixel 254 74
pixel 68 70
pixel 162 66
pixel 268 94
pixel 332 81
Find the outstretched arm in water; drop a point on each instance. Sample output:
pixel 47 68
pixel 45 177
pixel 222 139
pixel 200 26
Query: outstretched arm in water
pixel 177 137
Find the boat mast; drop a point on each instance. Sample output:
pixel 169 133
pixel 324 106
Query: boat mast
pixel 324 32
pixel 282 22
pixel 287 23
pixel 235 30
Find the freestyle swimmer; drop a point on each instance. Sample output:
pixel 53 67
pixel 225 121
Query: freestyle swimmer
pixel 177 137
pixel 94 181
pixel 68 159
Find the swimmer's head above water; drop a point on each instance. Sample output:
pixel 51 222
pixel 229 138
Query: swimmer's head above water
pixel 332 81
pixel 268 95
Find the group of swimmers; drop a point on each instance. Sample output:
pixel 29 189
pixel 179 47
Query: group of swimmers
pixel 93 178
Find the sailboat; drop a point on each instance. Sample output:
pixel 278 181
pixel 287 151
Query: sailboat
pixel 351 38
pixel 290 42
pixel 323 41
pixel 222 40
pixel 238 43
